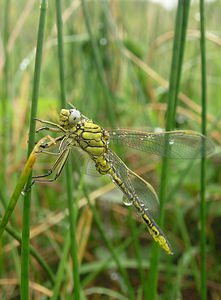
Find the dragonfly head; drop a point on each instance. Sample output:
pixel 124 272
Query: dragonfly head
pixel 74 117
pixel 69 117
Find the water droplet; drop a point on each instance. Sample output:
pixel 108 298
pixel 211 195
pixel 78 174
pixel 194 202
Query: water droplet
pixel 103 41
pixel 114 276
pixel 127 201
pixel 24 64
pixel 158 130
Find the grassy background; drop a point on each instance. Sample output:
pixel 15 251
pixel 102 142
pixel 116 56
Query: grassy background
pixel 116 73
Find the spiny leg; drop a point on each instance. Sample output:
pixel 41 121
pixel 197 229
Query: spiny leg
pixel 58 165
pixel 51 143
pixel 48 129
pixel 62 157
pixel 50 123
pixel 49 152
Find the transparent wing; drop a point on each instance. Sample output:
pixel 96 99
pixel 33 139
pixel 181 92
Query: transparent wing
pixel 89 168
pixel 135 184
pixel 172 144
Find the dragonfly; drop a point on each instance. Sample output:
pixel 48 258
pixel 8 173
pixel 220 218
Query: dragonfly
pixel 77 131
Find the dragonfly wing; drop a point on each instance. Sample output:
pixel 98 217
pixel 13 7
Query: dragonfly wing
pixel 135 184
pixel 171 144
pixel 82 161
pixel 89 168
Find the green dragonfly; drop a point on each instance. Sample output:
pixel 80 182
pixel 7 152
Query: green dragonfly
pixel 78 131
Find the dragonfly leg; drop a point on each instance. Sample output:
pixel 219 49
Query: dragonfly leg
pixel 51 143
pixel 56 168
pixel 48 152
pixel 41 181
pixel 48 129
pixel 51 124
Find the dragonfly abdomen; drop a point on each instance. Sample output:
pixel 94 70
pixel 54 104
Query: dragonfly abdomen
pixel 153 228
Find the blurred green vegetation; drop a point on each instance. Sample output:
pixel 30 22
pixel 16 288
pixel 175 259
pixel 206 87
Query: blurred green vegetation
pixel 134 41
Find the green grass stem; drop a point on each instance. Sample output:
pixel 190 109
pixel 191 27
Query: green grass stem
pixel 104 264
pixel 4 103
pixel 72 206
pixel 98 64
pixel 175 74
pixel 111 248
pixel 135 237
pixel 17 191
pixel 60 52
pixel 33 252
pixel 31 141
pixel 62 267
pixel 181 270
pixel 203 290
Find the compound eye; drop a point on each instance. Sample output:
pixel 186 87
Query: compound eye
pixel 74 117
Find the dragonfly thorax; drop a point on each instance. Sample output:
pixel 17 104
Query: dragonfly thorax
pixel 90 137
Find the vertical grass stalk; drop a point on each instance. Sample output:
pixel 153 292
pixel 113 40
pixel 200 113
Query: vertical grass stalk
pixel 5 115
pixel 111 248
pixel 175 74
pixel 73 207
pixel 4 103
pixel 31 141
pixel 33 252
pixel 61 269
pixel 203 289
pixel 98 64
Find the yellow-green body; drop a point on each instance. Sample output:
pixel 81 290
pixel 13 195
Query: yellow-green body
pixel 78 131
pixel 94 140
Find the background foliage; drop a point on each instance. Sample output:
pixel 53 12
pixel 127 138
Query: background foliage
pixel 123 83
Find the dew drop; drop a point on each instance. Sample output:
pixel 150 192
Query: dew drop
pixel 127 201
pixel 114 276
pixel 158 130
pixel 103 41
pixel 24 64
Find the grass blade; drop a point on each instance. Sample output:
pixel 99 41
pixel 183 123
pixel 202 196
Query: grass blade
pixel 61 269
pixel 110 248
pixel 24 177
pixel 98 64
pixel 33 252
pixel 72 206
pixel 31 141
pixel 203 290
pixel 4 103
pixel 175 74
